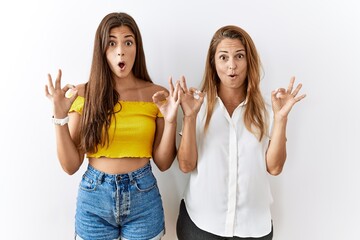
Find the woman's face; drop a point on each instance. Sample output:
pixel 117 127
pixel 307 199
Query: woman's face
pixel 121 51
pixel 231 63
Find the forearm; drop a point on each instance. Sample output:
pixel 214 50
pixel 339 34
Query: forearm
pixel 276 153
pixel 165 152
pixel 68 154
pixel 187 153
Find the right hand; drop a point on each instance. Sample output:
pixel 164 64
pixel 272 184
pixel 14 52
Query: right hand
pixel 168 102
pixel 191 99
pixel 57 95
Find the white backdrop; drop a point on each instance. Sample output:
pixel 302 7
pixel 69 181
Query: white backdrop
pixel 316 197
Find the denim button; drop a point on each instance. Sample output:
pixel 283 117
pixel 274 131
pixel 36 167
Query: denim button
pixel 118 178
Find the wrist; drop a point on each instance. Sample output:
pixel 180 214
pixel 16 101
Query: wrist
pixel 280 118
pixel 59 114
pixel 190 117
pixel 60 121
pixel 170 123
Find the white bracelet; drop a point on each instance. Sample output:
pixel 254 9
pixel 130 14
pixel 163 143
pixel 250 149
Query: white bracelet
pixel 60 121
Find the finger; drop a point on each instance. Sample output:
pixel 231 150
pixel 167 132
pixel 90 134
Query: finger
pixel 58 80
pixel 202 96
pixel 178 101
pixel 160 96
pixel 74 95
pixel 47 93
pixel 273 95
pixel 69 90
pixel 50 82
pixel 156 95
pixel 195 93
pixel 297 99
pixel 155 98
pixel 192 90
pixel 183 84
pixel 280 92
pixel 297 89
pixel 291 85
pixel 176 91
pixel 171 85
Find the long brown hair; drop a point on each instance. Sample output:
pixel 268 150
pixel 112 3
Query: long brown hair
pixel 100 94
pixel 255 112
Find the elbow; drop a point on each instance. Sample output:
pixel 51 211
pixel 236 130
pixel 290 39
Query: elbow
pixel 163 168
pixel 274 171
pixel 164 164
pixel 70 165
pixel 275 165
pixel 187 162
pixel 69 170
pixel 186 167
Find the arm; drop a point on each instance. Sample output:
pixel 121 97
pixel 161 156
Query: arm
pixel 282 103
pixel 187 154
pixel 164 149
pixel 276 153
pixel 67 140
pixel 67 136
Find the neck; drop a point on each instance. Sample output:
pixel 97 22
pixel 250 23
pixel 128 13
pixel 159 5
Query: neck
pixel 231 98
pixel 127 82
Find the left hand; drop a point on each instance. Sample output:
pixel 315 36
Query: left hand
pixel 283 100
pixel 168 102
pixel 191 99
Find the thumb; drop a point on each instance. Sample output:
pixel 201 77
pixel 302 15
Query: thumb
pixel 73 96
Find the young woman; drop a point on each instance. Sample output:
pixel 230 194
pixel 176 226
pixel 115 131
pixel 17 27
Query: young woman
pixel 119 120
pixel 227 146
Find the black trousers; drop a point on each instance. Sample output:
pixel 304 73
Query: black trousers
pixel 187 230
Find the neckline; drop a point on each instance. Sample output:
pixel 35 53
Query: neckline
pixel 127 101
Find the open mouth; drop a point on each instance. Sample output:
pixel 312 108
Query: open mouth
pixel 121 65
pixel 232 75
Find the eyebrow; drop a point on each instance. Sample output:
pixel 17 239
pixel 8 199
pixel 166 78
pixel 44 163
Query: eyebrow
pixel 241 50
pixel 126 36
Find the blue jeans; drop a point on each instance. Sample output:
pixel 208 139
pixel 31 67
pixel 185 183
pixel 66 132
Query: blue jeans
pixel 120 206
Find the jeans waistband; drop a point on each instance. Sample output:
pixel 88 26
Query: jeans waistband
pixel 124 177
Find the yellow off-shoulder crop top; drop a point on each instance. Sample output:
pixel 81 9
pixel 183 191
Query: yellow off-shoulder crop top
pixel 133 135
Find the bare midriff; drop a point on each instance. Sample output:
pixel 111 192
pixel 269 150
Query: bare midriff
pixel 118 165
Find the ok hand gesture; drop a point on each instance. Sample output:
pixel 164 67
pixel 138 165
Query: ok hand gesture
pixel 168 103
pixel 283 100
pixel 58 96
pixel 191 99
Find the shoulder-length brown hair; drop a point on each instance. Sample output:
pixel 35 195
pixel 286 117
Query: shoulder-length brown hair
pixel 100 94
pixel 255 112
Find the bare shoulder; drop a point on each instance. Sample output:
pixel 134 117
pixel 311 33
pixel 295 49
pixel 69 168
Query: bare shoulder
pixel 149 89
pixel 157 88
pixel 81 89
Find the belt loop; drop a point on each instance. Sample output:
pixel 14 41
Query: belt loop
pixel 101 178
pixel 131 178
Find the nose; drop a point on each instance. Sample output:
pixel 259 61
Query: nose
pixel 120 52
pixel 232 65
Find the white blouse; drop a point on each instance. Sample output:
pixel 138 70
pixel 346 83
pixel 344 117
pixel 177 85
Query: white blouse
pixel 228 194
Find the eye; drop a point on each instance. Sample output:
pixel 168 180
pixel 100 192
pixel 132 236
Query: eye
pixel 222 57
pixel 112 43
pixel 128 43
pixel 240 56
